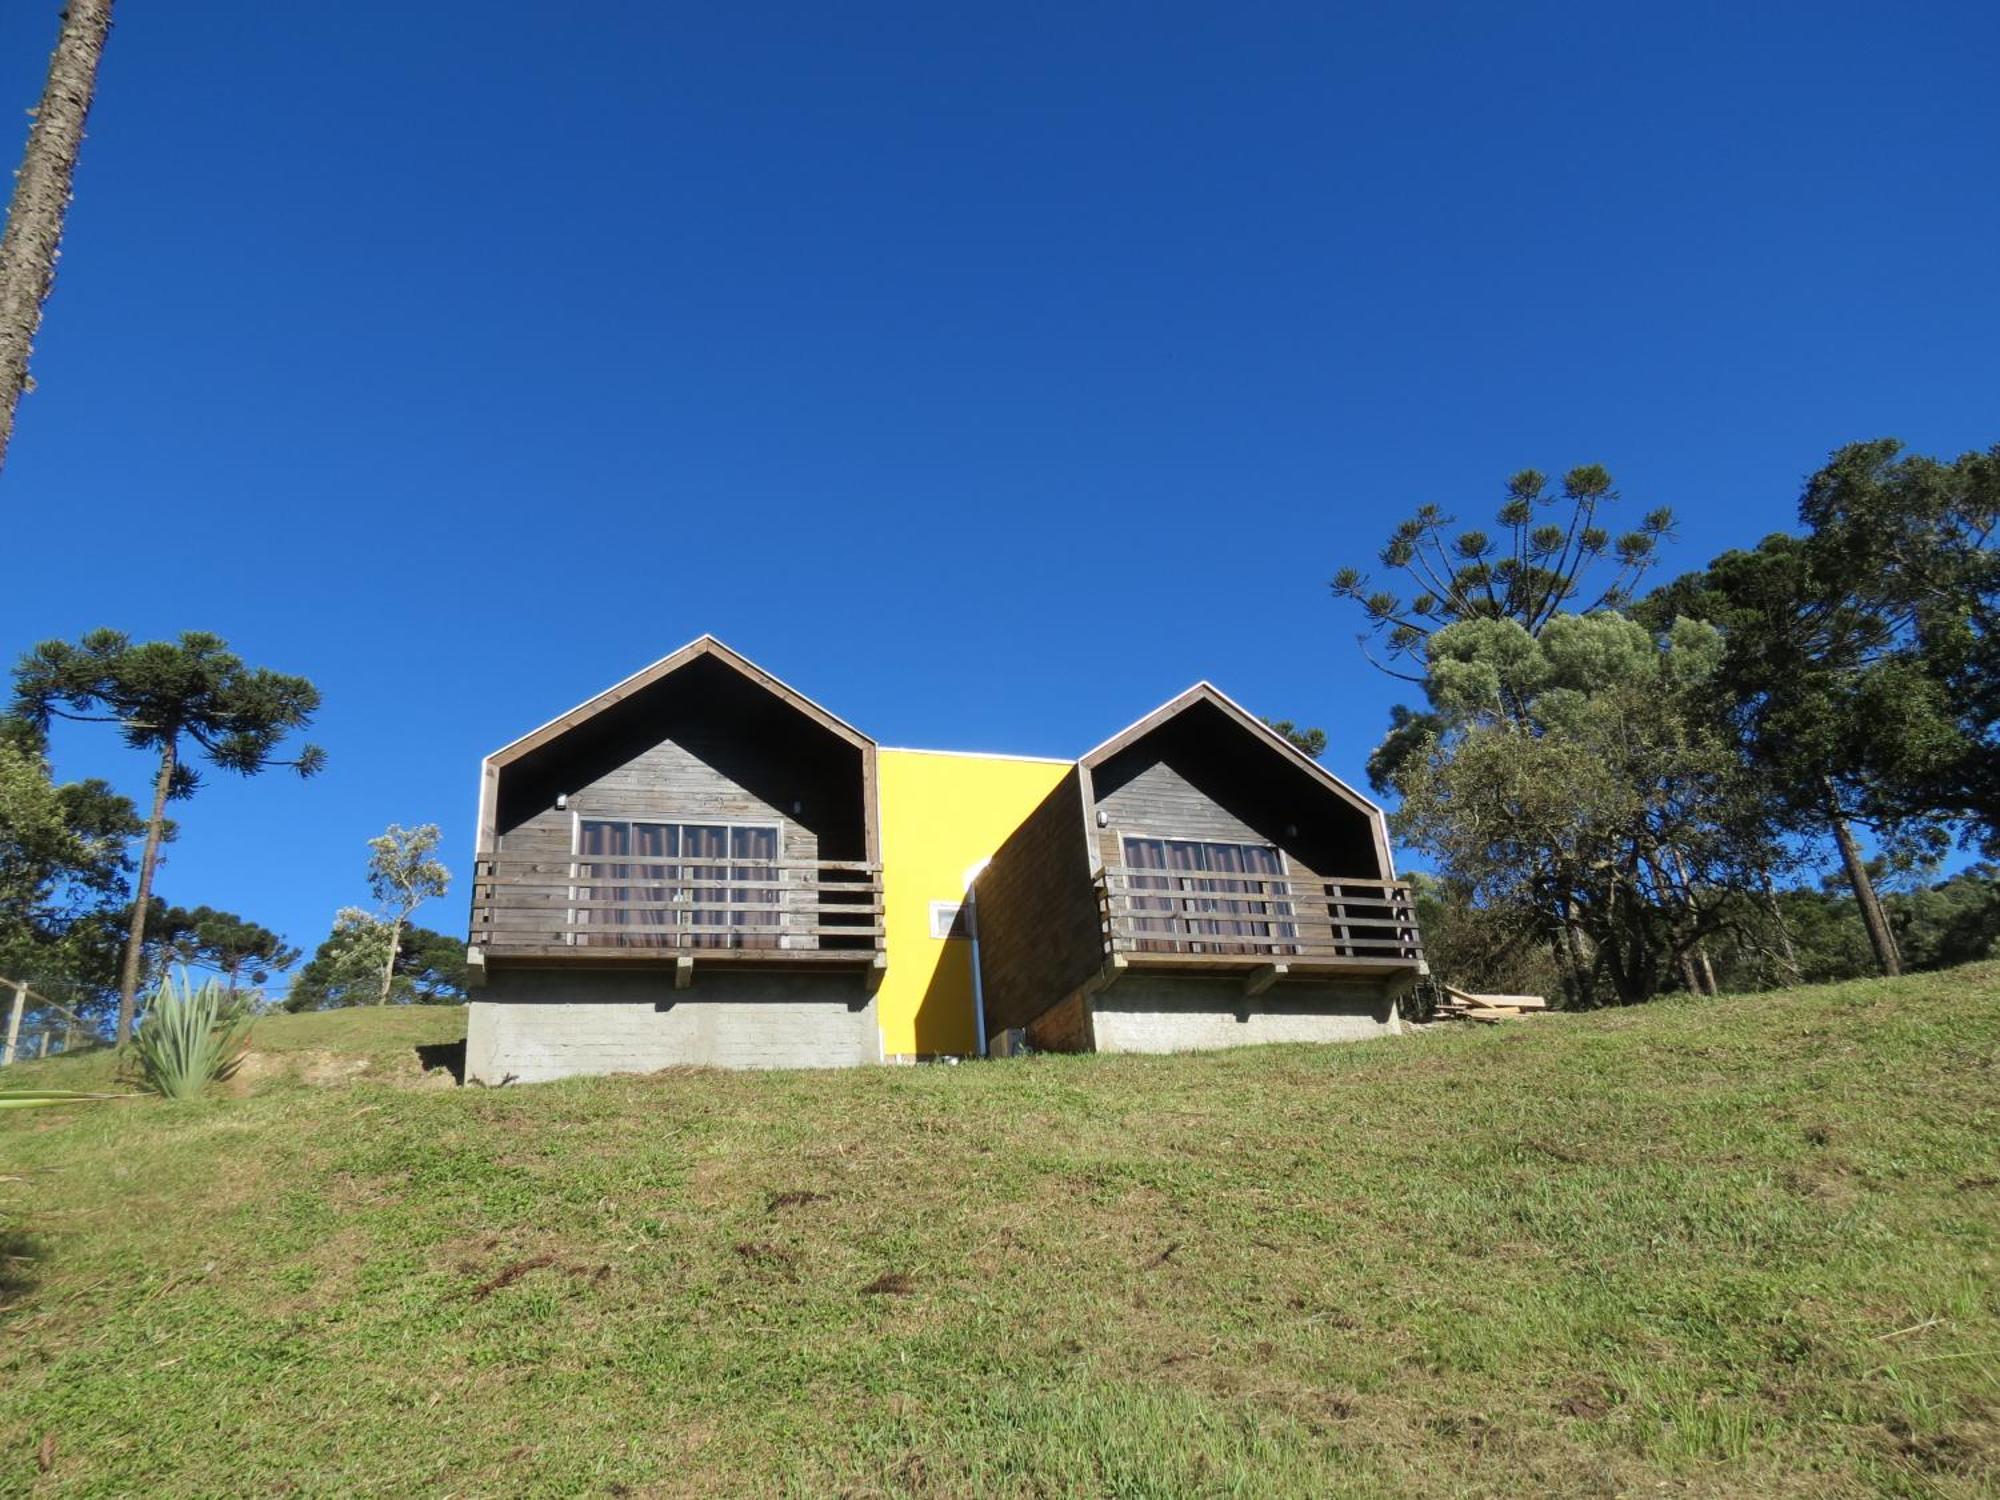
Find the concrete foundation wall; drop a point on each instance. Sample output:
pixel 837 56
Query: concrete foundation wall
pixel 1191 1013
pixel 531 1025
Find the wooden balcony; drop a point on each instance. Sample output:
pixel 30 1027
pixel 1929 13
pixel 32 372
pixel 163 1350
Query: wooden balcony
pixel 1279 926
pixel 620 911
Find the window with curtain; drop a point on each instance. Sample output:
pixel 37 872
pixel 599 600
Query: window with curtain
pixel 1207 897
pixel 654 884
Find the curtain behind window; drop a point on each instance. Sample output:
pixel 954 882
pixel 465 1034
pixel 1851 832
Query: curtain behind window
pixel 654 841
pixel 755 906
pixel 709 920
pixel 664 902
pixel 598 843
pixel 1214 897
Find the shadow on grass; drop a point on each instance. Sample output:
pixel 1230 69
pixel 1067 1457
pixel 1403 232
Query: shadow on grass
pixel 20 1253
pixel 447 1055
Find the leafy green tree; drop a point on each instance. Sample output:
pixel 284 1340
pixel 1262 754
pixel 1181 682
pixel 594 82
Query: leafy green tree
pixel 1570 767
pixel 430 968
pixel 1311 741
pixel 1939 924
pixel 1845 675
pixel 1551 549
pixel 232 946
pixel 403 873
pixel 65 867
pixel 1910 539
pixel 1949 922
pixel 175 699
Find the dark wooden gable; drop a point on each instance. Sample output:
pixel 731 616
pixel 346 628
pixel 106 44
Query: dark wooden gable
pixel 1201 767
pixel 703 733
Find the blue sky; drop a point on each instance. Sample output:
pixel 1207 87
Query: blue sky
pixel 467 357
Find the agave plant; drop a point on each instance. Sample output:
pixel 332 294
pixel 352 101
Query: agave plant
pixel 190 1037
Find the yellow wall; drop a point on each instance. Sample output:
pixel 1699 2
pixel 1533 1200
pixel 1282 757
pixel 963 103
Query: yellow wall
pixel 941 815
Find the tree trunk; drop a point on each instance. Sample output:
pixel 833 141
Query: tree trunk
pixel 1880 938
pixel 29 250
pixel 1671 893
pixel 1687 896
pixel 1789 953
pixel 135 939
pixel 1582 994
pixel 389 967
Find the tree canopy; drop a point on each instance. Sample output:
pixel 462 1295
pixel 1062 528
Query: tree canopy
pixel 1551 550
pixel 190 697
pixel 1573 782
pixel 346 969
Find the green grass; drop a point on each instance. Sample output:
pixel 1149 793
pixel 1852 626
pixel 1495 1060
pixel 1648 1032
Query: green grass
pixel 1734 1247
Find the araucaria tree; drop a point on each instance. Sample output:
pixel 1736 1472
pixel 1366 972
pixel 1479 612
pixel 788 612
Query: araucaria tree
pixel 234 947
pixel 180 700
pixel 1575 779
pixel 1862 663
pixel 42 187
pixel 403 873
pixel 1541 563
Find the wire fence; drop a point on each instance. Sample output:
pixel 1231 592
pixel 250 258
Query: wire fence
pixel 38 1027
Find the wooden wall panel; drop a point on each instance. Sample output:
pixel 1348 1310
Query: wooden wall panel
pixel 670 781
pixel 1162 802
pixel 1040 935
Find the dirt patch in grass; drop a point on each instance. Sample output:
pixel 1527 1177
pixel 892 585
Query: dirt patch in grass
pixel 509 1275
pixel 891 1284
pixel 767 1256
pixel 1587 1403
pixel 315 1067
pixel 795 1198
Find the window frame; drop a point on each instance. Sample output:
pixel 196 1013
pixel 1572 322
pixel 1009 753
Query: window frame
pixel 683 880
pixel 1281 919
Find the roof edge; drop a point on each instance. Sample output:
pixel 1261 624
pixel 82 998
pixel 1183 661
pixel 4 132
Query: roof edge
pixel 702 645
pixel 1205 691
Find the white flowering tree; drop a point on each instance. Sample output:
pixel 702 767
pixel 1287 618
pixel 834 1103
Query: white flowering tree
pixel 403 873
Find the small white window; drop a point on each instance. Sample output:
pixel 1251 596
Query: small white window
pixel 948 919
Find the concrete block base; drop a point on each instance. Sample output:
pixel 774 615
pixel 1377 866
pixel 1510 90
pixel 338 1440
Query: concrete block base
pixel 1189 1013
pixel 532 1025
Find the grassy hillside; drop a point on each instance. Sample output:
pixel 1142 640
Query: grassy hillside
pixel 1727 1247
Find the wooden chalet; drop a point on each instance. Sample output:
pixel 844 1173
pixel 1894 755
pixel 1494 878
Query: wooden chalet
pixel 1195 881
pixel 684 869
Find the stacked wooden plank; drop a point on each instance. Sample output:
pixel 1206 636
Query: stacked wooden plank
pixel 1489 1010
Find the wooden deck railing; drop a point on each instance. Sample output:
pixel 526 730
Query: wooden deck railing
pixel 542 905
pixel 1204 912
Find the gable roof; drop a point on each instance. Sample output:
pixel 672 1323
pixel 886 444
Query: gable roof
pixel 666 666
pixel 1209 693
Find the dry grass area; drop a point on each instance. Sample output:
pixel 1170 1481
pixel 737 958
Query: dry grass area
pixel 1734 1247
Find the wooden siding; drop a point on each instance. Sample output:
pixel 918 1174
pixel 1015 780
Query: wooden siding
pixel 1160 801
pixel 1203 775
pixel 1064 1028
pixel 672 782
pixel 1040 931
pixel 709 742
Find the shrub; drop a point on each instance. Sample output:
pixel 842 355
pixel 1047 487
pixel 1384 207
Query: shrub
pixel 189 1037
